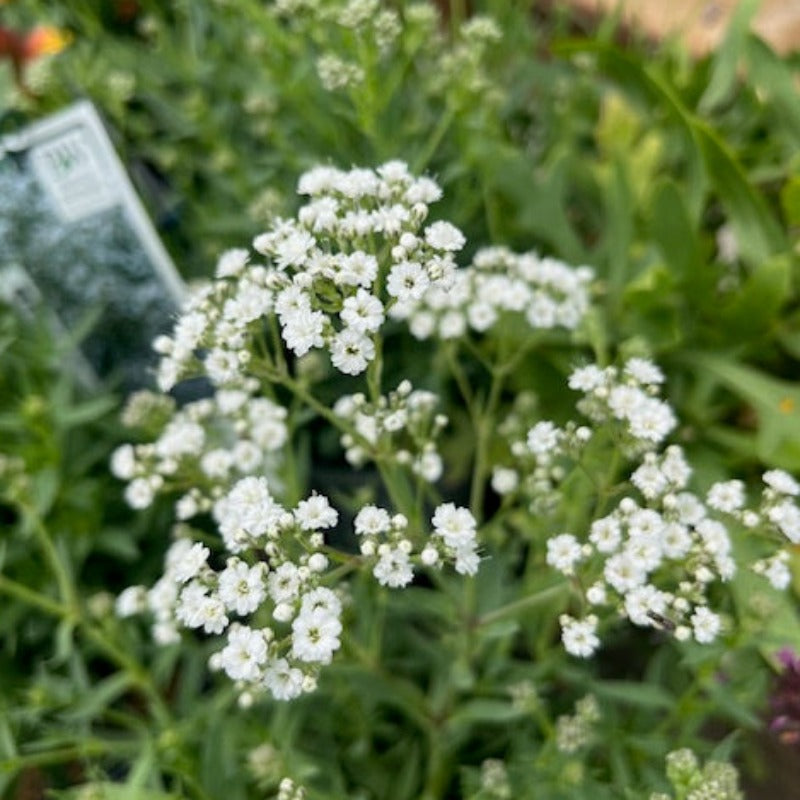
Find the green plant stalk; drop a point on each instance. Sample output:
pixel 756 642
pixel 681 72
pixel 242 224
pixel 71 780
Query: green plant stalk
pixel 541 597
pixel 432 145
pixel 88 749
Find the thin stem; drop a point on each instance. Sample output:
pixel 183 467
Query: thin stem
pixel 32 598
pixel 432 144
pixel 484 428
pixel 523 604
pixel 85 750
pixel 66 587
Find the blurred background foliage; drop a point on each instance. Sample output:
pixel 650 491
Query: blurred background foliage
pixel 677 180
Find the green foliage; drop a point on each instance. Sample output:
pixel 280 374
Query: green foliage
pixel 637 163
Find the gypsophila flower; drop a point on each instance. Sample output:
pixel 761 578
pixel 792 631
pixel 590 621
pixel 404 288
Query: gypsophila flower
pixel 579 636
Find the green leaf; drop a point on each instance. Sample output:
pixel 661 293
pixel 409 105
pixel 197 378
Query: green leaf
pixel 89 411
pixel 673 231
pixel 776 402
pixel 756 306
pixel 757 230
pixel 101 695
pixel 790 201
pixel 727 60
pixel 632 693
pixel 112 791
pixel 483 711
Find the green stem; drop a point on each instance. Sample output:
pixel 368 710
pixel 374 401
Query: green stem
pixel 432 144
pixel 66 587
pixel 541 597
pixel 484 428
pixel 32 598
pixel 89 749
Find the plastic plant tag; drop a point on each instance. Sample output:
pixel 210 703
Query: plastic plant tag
pixel 71 220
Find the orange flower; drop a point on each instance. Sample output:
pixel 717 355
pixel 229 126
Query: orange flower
pixel 44 40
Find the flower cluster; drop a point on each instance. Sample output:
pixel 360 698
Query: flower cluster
pixel 628 396
pixel 207 444
pixel 357 247
pixel 454 538
pixel 576 731
pixel 283 656
pixel 544 291
pixel 401 427
pixel 654 555
pixel 715 780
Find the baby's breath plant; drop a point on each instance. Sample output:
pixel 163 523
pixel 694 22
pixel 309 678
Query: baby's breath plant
pixel 450 517
pixel 494 541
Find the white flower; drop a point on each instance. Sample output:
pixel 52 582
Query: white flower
pixel 245 652
pixel 372 521
pixel 231 263
pixel 543 438
pixel 429 466
pixel 315 513
pixel 579 636
pixel 785 516
pixel 606 534
pixel 705 625
pixel 241 588
pixel 302 330
pixel 444 236
pixel 643 371
pixel 315 636
pixel 643 601
pixel 727 496
pixel 776 571
pixel 294 249
pixel 284 583
pixel 408 280
pixel 467 560
pixel 222 366
pixel 782 482
pixel 455 525
pixel 131 601
pixel 649 479
pixel 504 480
pixel 624 572
pixel 283 681
pixel 393 568
pixel 139 493
pixel 123 462
pixel 321 599
pixel 587 379
pixel 358 269
pixel 185 559
pixel 351 351
pixel 248 508
pixel 363 312
pixel 563 552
